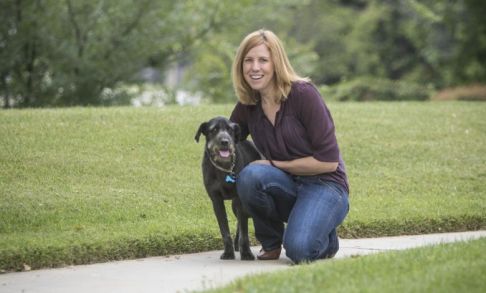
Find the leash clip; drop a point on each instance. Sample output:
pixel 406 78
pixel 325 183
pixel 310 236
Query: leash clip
pixel 230 178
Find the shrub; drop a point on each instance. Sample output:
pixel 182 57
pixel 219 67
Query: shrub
pixel 373 89
pixel 475 92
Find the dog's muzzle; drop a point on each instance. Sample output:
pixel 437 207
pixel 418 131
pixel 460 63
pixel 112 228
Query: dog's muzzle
pixel 224 150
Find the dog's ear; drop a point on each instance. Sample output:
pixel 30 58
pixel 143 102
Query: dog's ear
pixel 237 131
pixel 203 128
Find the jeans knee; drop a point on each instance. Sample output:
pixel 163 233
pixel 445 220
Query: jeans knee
pixel 251 173
pixel 299 250
pixel 247 182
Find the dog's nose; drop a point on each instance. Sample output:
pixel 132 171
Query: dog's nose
pixel 224 142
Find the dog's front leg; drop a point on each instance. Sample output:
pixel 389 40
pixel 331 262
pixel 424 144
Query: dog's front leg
pixel 243 240
pixel 220 212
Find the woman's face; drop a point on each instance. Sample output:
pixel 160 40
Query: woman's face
pixel 258 69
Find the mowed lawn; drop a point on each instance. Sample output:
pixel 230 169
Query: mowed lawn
pixel 457 267
pixel 83 185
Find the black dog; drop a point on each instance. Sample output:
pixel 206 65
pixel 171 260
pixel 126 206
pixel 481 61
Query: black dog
pixel 224 157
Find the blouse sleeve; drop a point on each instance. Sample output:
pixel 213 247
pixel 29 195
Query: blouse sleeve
pixel 319 125
pixel 240 116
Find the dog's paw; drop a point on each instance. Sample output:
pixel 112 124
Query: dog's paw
pixel 227 255
pixel 248 255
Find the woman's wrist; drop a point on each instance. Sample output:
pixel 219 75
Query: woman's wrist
pixel 283 165
pixel 306 166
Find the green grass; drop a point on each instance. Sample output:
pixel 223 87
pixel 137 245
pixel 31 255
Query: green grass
pixel 458 267
pixel 85 185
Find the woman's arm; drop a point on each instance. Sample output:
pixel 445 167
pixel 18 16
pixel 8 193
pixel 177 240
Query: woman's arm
pixel 239 116
pixel 304 166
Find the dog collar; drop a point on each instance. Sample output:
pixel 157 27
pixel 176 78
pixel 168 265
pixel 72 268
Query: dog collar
pixel 231 177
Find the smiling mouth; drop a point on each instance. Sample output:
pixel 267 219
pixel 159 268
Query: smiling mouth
pixel 256 77
pixel 224 153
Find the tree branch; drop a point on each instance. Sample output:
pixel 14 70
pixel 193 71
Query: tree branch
pixel 77 29
pixel 117 38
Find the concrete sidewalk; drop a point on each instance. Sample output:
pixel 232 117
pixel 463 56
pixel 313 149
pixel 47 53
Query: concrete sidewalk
pixel 197 271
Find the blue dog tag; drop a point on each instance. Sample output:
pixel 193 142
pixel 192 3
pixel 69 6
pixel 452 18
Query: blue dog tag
pixel 230 178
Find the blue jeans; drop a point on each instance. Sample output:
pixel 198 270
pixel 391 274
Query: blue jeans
pixel 311 207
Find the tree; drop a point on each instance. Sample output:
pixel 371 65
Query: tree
pixel 428 42
pixel 64 53
pixel 21 45
pixel 211 61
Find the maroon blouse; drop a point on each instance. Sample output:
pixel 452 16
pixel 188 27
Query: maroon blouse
pixel 303 127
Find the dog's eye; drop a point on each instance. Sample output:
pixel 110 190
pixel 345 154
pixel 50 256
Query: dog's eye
pixel 214 130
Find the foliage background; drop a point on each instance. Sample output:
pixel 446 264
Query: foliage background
pixel 66 53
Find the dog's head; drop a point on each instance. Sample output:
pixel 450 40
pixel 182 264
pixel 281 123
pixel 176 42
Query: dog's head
pixel 221 137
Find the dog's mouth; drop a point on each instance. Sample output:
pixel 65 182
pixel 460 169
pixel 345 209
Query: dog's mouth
pixel 224 153
pixel 221 152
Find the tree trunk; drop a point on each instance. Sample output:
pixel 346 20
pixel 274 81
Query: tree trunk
pixel 6 91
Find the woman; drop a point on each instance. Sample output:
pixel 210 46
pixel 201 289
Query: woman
pixel 303 181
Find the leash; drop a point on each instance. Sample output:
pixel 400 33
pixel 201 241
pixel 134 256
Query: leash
pixel 231 177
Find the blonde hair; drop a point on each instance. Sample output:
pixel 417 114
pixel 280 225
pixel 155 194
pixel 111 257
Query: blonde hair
pixel 284 73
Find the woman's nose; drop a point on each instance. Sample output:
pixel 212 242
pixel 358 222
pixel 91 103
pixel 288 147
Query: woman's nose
pixel 255 66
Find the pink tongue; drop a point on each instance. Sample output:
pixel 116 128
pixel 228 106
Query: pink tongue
pixel 224 154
